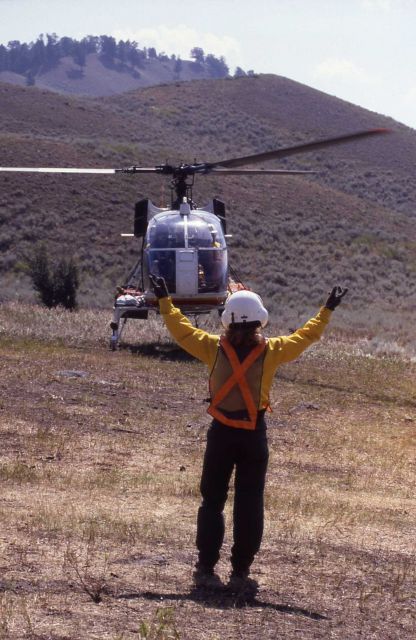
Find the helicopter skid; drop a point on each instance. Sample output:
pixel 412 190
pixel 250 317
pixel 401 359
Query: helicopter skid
pixel 141 302
pixel 186 305
pixel 137 307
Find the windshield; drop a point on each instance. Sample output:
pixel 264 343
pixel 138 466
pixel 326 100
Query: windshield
pixel 174 231
pixel 166 232
pixel 205 230
pixel 212 270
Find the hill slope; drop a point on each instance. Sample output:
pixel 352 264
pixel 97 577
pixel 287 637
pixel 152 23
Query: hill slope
pixel 98 78
pixel 293 237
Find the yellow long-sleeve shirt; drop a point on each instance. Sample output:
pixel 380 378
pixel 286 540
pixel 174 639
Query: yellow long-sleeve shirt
pixel 204 346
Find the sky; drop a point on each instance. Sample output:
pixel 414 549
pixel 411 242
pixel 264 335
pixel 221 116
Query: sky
pixel 363 51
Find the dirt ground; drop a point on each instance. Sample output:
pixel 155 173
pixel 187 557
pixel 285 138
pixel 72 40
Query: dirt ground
pixel 100 462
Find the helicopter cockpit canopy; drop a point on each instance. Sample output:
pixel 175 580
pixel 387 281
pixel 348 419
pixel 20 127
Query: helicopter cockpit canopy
pixel 189 251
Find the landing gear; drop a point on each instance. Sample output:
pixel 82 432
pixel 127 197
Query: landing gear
pixel 117 329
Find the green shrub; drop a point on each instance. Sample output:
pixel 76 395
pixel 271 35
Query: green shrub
pixel 56 284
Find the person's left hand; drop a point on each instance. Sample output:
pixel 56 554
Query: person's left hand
pixel 159 286
pixel 335 297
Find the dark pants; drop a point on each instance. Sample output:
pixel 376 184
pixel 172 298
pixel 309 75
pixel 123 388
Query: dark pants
pixel 247 451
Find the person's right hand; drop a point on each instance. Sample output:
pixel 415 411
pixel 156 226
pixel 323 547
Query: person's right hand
pixel 159 286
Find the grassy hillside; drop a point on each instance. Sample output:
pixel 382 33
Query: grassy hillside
pixel 99 474
pixel 293 237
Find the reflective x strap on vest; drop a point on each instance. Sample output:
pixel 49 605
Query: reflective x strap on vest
pixel 238 377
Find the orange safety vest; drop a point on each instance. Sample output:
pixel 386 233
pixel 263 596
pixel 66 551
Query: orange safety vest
pixel 235 386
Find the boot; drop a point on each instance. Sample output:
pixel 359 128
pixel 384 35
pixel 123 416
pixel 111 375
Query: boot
pixel 205 578
pixel 241 584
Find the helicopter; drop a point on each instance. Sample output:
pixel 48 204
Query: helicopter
pixel 184 243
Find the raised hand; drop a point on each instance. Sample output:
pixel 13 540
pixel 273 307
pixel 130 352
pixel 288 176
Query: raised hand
pixel 335 297
pixel 159 286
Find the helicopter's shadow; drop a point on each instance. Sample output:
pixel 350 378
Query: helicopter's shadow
pixel 223 599
pixel 170 352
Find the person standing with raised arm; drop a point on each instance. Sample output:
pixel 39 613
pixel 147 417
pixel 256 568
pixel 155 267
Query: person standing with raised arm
pixel 242 364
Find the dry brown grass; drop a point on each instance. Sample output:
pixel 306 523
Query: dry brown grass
pixel 100 468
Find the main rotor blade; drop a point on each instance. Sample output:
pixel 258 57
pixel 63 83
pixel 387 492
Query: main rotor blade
pixel 55 170
pixel 237 172
pixel 140 170
pixel 299 148
pixel 134 169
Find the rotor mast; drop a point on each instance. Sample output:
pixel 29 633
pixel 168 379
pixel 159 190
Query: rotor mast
pixel 181 188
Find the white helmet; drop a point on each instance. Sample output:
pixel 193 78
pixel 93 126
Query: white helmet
pixel 242 307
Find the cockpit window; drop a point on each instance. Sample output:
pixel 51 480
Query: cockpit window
pixel 166 232
pixel 173 231
pixel 205 231
pixel 212 271
pixel 199 234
